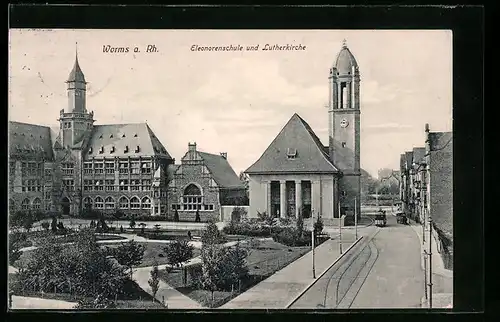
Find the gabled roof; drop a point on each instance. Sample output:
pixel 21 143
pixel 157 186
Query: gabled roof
pixel 30 141
pixel 221 170
pixel 418 155
pixel 298 135
pixel 440 140
pixel 121 136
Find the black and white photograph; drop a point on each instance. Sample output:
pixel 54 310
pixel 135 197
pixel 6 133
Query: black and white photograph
pixel 230 169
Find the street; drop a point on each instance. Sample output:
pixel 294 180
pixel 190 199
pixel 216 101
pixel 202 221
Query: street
pixel 382 271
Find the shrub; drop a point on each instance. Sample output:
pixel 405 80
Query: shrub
pixel 176 215
pixel 130 254
pixel 249 229
pixel 212 235
pixel 318 226
pixel 178 252
pixel 238 214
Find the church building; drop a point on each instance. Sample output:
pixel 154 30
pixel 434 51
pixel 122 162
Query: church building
pixel 297 174
pixel 83 165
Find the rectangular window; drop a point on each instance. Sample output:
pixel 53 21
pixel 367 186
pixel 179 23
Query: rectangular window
pixel 110 185
pixel 99 168
pixel 67 168
pixel 343 144
pixel 47 195
pixel 291 153
pixel 124 185
pixel 135 167
pixel 110 167
pixel 88 185
pixel 146 185
pixel 146 167
pixel 135 185
pixel 69 184
pixel 99 185
pixel 12 168
pixel 124 167
pixel 87 168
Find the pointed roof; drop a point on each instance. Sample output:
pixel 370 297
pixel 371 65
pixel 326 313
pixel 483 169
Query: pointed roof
pixel 29 141
pixel 221 170
pixel 310 154
pixel 345 60
pixel 76 74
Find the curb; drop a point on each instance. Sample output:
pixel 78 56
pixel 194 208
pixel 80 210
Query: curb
pixel 323 273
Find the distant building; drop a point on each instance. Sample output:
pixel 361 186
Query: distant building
pixel 203 183
pixel 298 174
pixel 81 165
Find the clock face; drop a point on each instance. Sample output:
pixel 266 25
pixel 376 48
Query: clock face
pixel 344 123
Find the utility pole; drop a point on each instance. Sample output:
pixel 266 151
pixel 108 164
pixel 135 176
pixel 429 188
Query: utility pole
pixel 340 230
pixel 312 245
pixel 355 218
pixel 430 261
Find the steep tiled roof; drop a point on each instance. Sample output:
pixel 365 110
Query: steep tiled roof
pixel 30 141
pixel 221 171
pixel 409 159
pixel 121 136
pixel 76 74
pixel 440 140
pixel 296 135
pixel 418 155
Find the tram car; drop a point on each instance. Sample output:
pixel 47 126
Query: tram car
pixel 380 220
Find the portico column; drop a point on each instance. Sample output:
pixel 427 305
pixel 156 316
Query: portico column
pixel 267 196
pixel 282 198
pixel 315 198
pixel 298 197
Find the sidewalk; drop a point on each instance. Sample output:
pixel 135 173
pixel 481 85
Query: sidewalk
pixel 442 279
pixel 278 290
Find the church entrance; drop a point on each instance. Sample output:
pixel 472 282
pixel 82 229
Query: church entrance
pixel 65 205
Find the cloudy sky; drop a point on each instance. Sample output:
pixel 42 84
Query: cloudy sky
pixel 237 102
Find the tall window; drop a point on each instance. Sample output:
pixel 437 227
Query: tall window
pixel 99 203
pixel 135 203
pixel 88 185
pixel 146 167
pixel 146 203
pixel 146 185
pixel 110 185
pixel 67 168
pixel 135 185
pixel 110 203
pixel 99 168
pixel 99 185
pixel 87 168
pixel 124 185
pixel 87 203
pixel 135 167
pixel 25 205
pixel 69 184
pixel 123 203
pixel 110 167
pixel 192 199
pixel 37 204
pixel 124 167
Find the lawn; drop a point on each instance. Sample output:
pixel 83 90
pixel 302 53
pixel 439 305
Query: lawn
pixel 154 250
pixel 133 297
pixel 264 259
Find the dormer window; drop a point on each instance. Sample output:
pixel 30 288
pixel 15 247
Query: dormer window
pixel 123 135
pixel 344 144
pixel 101 150
pixel 291 153
pixel 135 135
pixel 112 149
pixel 90 150
pixel 100 136
pixel 137 149
pixel 111 136
pixel 126 149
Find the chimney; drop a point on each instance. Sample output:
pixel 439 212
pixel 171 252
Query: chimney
pixel 224 155
pixel 192 147
pixel 426 127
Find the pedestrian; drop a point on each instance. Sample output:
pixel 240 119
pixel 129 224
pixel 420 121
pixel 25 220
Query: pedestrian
pixel 189 234
pixel 121 229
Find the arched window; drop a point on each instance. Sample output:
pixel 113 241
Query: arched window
pixel 135 203
pixel 192 199
pixel 12 206
pixel 146 203
pixel 37 204
pixel 25 205
pixel 110 203
pixel 87 202
pixel 99 203
pixel 123 203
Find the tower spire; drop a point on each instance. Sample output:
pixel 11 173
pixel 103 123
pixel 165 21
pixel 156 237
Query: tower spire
pixel 344 43
pixel 76 51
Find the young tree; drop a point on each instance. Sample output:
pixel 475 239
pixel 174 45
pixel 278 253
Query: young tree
pixel 318 226
pixel 46 225
pixel 176 215
pixel 212 235
pixel 121 229
pixel 268 220
pixel 130 254
pixel 212 276
pixel 178 252
pixel 132 223
pixel 300 224
pixel 154 279
pixel 143 227
pixel 53 224
pixel 197 218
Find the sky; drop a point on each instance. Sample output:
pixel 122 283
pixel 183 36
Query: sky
pixel 237 102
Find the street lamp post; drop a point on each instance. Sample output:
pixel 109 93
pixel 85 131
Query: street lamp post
pixel 355 218
pixel 312 245
pixel 340 230
pixel 430 261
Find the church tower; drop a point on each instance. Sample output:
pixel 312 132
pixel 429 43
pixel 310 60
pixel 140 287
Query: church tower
pixel 344 128
pixel 75 121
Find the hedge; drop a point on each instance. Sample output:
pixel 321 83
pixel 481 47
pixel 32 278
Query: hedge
pixel 291 237
pixel 250 229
